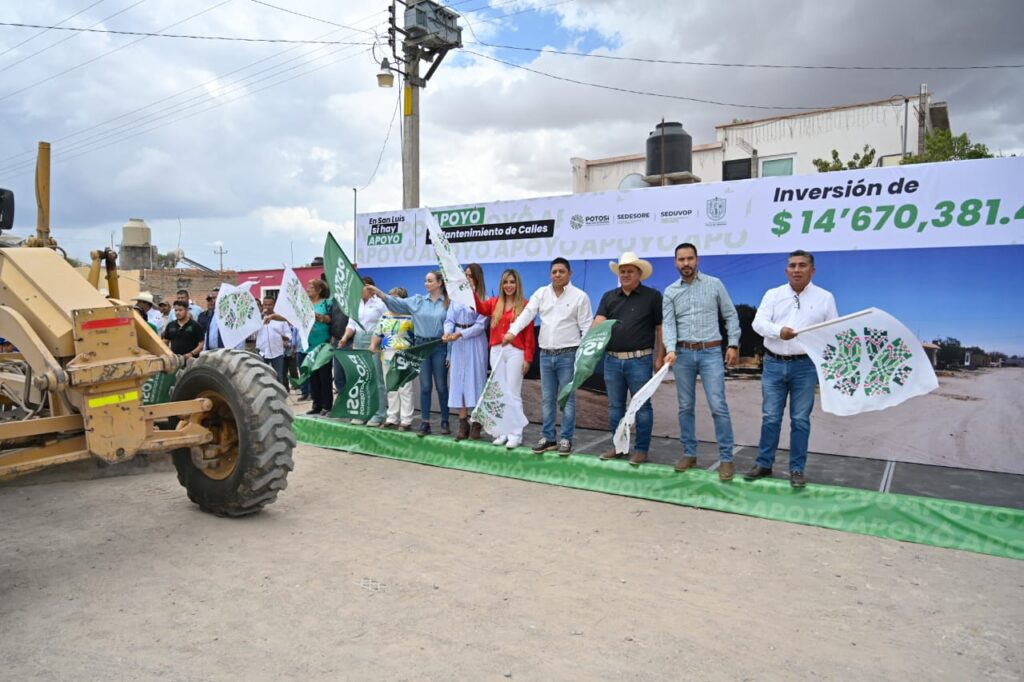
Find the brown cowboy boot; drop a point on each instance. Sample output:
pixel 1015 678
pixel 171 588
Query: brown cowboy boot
pixel 463 433
pixel 474 430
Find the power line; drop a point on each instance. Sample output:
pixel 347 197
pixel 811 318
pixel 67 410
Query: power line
pixel 394 115
pixel 217 104
pixel 138 121
pixel 70 37
pixel 201 86
pixel 307 16
pixel 640 92
pixel 131 129
pixel 36 35
pixel 646 60
pixel 116 49
pixel 180 35
pixel 492 20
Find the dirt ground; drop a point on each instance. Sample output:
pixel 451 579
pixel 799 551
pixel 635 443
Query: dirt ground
pixel 969 422
pixel 370 569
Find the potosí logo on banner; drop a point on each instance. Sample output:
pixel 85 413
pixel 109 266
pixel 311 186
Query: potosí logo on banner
pixel 358 400
pixel 346 284
pixel 589 353
pixel 405 365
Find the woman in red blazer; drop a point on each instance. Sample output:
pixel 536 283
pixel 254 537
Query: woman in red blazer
pixel 517 356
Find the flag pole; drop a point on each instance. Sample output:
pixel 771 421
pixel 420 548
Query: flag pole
pixel 844 318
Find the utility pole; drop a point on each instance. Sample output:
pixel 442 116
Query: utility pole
pixel 430 31
pixel 220 252
pixel 922 117
pixel 411 132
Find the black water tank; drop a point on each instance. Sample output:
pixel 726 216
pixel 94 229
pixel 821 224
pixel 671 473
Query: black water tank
pixel 678 149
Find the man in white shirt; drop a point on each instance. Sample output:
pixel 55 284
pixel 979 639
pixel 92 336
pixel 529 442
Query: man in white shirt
pixel 370 310
pixel 788 372
pixel 565 316
pixel 273 339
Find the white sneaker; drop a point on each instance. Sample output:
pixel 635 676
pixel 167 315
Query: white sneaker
pixel 357 422
pixel 514 442
pixel 500 440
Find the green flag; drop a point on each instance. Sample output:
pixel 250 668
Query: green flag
pixel 589 353
pixel 157 389
pixel 360 398
pixel 317 357
pixel 346 284
pixel 405 366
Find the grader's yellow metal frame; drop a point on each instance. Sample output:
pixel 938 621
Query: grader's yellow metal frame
pixel 87 358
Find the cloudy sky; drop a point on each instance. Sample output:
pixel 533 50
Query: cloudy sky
pixel 257 146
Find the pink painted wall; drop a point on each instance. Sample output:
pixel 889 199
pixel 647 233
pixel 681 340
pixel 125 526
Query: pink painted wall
pixel 271 279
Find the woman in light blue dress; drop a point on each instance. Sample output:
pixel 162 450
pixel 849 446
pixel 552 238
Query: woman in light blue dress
pixel 465 330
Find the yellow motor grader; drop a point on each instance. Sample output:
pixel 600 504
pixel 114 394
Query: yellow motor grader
pixel 73 389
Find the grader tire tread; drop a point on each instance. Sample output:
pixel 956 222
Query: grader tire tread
pixel 264 422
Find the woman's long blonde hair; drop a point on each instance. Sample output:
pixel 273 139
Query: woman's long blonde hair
pixel 518 302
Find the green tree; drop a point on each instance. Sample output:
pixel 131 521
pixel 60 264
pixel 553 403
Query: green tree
pixel 951 352
pixel 941 145
pixel 858 161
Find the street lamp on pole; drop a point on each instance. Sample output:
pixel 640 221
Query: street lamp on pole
pixel 430 32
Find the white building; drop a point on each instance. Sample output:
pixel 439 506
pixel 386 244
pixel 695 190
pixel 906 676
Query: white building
pixel 787 145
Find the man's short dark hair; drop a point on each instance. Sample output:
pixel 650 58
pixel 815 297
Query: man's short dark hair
pixel 685 245
pixel 560 261
pixel 803 254
pixel 181 304
pixel 369 280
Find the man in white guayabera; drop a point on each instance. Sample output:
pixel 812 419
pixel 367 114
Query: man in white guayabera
pixel 788 372
pixel 565 316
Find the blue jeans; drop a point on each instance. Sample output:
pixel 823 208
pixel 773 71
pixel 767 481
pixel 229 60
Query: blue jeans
pixel 433 373
pixel 555 373
pixel 709 365
pixel 278 365
pixel 797 379
pixel 631 375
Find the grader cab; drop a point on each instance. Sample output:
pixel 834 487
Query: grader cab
pixel 73 389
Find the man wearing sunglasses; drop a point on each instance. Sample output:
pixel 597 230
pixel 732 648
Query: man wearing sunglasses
pixel 788 372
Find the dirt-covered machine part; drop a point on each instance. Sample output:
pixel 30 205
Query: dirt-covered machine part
pixel 74 388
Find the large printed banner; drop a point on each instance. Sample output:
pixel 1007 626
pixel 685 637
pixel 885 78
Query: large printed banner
pixel 937 246
pixel 962 203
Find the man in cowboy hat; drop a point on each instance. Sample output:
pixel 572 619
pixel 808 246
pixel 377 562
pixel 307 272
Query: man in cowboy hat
pixel 635 349
pixel 153 316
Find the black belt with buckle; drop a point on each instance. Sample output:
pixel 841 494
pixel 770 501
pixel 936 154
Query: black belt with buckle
pixel 559 351
pixel 463 326
pixel 785 358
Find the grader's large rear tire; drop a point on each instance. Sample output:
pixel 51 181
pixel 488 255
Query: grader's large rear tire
pixel 252 426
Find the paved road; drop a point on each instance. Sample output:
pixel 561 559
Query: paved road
pixel 374 569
